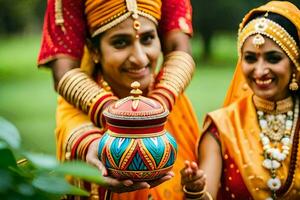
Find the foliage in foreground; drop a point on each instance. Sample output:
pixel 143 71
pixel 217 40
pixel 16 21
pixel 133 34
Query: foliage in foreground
pixel 36 176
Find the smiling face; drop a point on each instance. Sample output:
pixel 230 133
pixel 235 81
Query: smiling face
pixel 267 69
pixel 127 55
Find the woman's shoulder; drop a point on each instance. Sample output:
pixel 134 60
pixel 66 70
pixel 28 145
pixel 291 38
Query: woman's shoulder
pixel 233 115
pixel 237 106
pixel 235 112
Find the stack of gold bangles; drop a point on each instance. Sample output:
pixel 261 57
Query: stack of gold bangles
pixel 77 144
pixel 174 77
pixel 197 195
pixel 81 91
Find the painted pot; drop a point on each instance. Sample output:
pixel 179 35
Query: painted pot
pixel 136 146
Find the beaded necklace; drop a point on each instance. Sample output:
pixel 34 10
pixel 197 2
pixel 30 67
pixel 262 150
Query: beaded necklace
pixel 277 129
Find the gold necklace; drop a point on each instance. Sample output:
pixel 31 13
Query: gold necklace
pixel 270 107
pixel 275 155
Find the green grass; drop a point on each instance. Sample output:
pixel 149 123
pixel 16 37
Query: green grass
pixel 28 100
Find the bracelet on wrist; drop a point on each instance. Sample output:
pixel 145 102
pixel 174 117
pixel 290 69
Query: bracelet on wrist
pixel 194 195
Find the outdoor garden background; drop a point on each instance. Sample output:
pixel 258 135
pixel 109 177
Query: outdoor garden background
pixel 27 97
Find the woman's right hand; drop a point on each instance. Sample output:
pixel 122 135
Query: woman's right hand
pixel 193 178
pixel 111 183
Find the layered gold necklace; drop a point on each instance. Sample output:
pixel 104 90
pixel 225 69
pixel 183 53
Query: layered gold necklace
pixel 277 122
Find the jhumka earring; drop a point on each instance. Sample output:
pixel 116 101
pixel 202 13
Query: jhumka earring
pixel 294 84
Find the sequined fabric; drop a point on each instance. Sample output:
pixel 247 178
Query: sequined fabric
pixel 56 43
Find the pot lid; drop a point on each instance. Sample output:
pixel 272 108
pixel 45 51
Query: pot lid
pixel 136 110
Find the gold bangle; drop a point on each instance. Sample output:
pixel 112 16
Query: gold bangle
pixel 160 100
pixel 90 95
pixel 178 81
pixel 66 76
pixel 83 93
pixel 181 55
pixel 73 95
pixel 208 195
pixel 165 94
pixel 178 73
pixel 182 59
pixel 102 119
pixel 170 85
pixel 182 70
pixel 68 82
pixel 199 194
pixel 168 88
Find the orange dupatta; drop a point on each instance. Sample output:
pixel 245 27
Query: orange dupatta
pixel 238 87
pixel 239 136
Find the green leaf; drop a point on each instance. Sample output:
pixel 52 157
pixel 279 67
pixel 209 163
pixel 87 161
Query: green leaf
pixel 7 158
pixel 25 189
pixel 9 133
pixel 6 181
pixel 81 170
pixel 57 185
pixel 42 161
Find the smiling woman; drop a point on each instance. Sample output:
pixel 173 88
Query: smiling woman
pixel 267 69
pixel 250 148
pixel 124 47
pixel 127 55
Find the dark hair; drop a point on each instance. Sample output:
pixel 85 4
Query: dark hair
pixel 93 44
pixel 282 21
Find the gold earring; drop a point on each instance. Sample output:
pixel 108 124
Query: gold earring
pixel 96 61
pixel 95 55
pixel 294 84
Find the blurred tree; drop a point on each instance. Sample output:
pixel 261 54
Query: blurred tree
pixel 21 16
pixel 10 18
pixel 213 16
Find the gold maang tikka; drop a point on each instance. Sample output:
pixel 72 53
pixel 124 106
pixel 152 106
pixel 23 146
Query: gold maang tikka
pixel 133 8
pixel 260 27
pixel 258 40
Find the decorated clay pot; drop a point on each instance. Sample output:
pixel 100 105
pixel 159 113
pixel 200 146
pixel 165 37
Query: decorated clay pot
pixel 136 146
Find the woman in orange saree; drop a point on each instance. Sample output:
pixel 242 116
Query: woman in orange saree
pixel 250 148
pixel 124 48
pixel 64 36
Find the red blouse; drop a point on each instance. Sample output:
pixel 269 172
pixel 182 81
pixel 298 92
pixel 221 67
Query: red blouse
pixel 232 184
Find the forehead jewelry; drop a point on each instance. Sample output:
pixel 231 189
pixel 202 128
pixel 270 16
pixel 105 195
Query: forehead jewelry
pixel 260 26
pixel 133 8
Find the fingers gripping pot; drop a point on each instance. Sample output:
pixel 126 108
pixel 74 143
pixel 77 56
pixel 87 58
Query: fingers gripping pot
pixel 136 146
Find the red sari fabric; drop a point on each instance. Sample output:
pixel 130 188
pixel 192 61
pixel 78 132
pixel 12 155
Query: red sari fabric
pixel 243 175
pixel 55 42
pixel 232 184
pixel 176 15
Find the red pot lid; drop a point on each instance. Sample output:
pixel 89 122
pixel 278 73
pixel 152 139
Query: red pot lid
pixel 136 110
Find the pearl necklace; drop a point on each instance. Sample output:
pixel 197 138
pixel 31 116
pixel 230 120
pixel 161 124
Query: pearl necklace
pixel 276 128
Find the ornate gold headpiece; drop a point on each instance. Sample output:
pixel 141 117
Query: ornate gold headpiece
pixel 133 8
pixel 104 14
pixel 263 26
